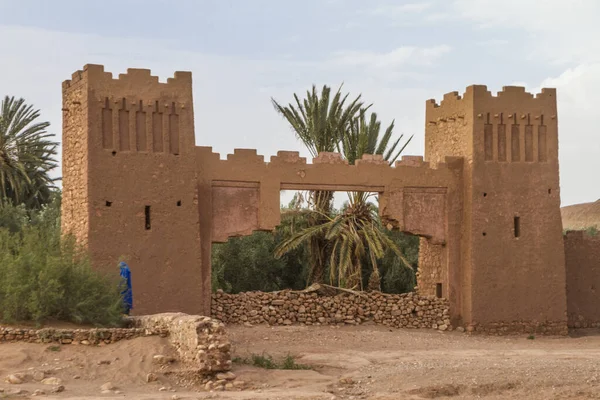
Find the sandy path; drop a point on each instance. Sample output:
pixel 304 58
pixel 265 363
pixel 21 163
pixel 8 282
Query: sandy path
pixel 365 362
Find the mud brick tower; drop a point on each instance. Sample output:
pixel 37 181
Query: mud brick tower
pixel 130 181
pixel 512 254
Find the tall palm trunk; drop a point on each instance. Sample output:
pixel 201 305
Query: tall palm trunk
pixel 317 245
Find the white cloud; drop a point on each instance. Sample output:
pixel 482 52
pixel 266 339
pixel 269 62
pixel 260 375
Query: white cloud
pixel 402 10
pixel 232 94
pixel 558 31
pixel 401 56
pixel 578 96
pixel 562 34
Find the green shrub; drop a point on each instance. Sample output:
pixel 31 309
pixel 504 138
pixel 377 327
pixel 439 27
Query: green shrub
pixel 46 277
pixel 248 263
pixel 266 361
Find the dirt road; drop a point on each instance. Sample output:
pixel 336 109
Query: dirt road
pixel 365 362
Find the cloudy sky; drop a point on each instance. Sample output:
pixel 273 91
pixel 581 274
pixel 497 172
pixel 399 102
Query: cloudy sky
pixel 397 54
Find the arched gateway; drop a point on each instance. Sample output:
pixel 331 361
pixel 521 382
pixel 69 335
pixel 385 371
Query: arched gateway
pixel 485 200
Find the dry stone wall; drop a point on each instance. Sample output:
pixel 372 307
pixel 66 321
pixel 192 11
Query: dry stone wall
pixel 73 336
pixel 501 328
pixel 408 310
pixel 200 341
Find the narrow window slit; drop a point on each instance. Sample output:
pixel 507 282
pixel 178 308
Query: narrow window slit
pixel 438 290
pixel 148 222
pixel 517 223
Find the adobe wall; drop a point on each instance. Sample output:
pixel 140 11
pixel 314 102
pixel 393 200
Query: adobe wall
pixel 485 200
pixel 243 194
pixel 75 161
pixel 510 145
pixel 582 254
pixel 432 271
pixel 138 182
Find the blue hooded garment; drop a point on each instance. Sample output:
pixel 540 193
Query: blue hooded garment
pixel 127 293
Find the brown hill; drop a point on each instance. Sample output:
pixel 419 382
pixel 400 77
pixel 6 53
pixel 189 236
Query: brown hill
pixel 581 216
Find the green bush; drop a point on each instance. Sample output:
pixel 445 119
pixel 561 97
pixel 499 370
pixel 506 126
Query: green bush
pixel 46 277
pixel 248 263
pixel 395 277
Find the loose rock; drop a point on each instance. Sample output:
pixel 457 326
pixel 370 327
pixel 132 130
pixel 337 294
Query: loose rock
pixel 161 359
pixel 108 386
pixel 52 381
pixel 227 376
pixel 14 379
pixel 58 389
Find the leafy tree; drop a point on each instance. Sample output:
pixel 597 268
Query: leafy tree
pixel 26 155
pixel 319 121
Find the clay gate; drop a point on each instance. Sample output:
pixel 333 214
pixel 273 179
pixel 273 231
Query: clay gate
pixel 486 201
pixel 242 194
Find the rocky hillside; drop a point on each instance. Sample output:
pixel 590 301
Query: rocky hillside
pixel 581 216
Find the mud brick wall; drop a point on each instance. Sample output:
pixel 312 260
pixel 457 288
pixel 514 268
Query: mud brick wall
pixel 287 308
pixel 582 255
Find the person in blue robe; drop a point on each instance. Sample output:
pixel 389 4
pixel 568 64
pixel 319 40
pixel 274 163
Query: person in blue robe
pixel 127 292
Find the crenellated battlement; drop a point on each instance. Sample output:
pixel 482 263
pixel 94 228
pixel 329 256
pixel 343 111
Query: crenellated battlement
pixel 512 126
pixel 134 112
pixel 245 157
pixel 134 76
pixel 477 101
pixel 481 93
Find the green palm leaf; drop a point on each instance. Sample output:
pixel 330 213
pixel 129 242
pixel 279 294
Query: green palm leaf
pixel 27 155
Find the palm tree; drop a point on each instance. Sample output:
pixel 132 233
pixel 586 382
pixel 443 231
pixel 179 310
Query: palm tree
pixel 320 123
pixel 26 155
pixel 356 233
pixel 363 138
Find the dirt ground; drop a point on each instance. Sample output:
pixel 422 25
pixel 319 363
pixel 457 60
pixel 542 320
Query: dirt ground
pixel 365 362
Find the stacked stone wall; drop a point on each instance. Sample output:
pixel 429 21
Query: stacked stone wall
pixel 288 308
pixel 201 342
pixel 73 336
